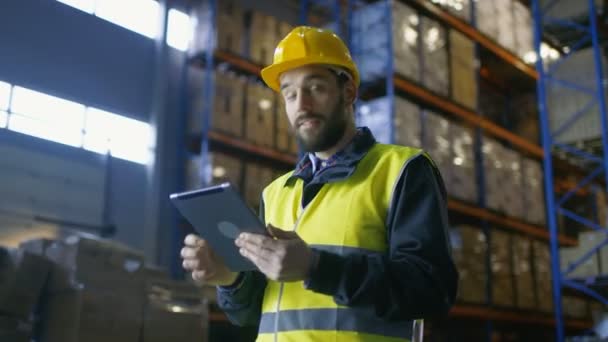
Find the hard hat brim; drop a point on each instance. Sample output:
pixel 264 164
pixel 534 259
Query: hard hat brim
pixel 271 73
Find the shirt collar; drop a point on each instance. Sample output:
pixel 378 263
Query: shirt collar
pixel 348 157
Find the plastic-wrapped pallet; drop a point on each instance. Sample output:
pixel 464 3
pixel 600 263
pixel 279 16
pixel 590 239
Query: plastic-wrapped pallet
pixel 437 144
pixel 408 129
pixel 435 63
pixel 522 269
pixel 459 8
pixel 505 24
pixel 542 273
pixel 376 115
pixel 469 246
pixel 534 197
pixel 462 69
pixel 263 37
pixel 524 39
pixel 371 34
pixel 493 164
pixel 502 276
pixel 512 195
pixel 220 168
pixel 463 183
pixel 486 18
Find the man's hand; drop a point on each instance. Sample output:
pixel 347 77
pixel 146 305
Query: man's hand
pixel 205 266
pixel 286 257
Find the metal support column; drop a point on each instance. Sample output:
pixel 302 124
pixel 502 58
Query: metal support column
pixel 588 32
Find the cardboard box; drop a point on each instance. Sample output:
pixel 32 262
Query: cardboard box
pixel 175 311
pixel 23 276
pixel 263 37
pixel 575 307
pixel 260 115
pixel 469 248
pixel 60 315
pixel 462 182
pixel 225 33
pixel 220 168
pixel 522 269
pixel 226 114
pixel 253 187
pixel 463 70
pixel 437 143
pixel 542 274
pixel 502 273
pixel 407 124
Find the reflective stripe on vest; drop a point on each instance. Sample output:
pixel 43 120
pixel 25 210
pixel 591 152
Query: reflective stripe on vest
pixel 347 216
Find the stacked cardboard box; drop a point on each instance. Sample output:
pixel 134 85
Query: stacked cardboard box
pixel 83 302
pixel 485 12
pixel 260 114
pixel 263 37
pixel 228 100
pixel 534 196
pixel 469 248
pixel 502 276
pixel 376 114
pixel 462 183
pixel 522 270
pixel 512 202
pixel 225 33
pixel 435 65
pixel 257 177
pixel 463 69
pixel 493 159
pixel 371 37
pixel 23 276
pixel 219 168
pixel 408 128
pixel 437 143
pixel 174 311
pixel 542 274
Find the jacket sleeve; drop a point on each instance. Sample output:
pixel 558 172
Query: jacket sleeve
pixel 242 301
pixel 417 277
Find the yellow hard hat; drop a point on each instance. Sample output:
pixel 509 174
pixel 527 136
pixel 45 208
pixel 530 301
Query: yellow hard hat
pixel 306 45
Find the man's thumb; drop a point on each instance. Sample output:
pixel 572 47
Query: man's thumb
pixel 280 233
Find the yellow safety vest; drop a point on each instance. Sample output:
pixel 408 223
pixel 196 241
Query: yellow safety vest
pixel 348 216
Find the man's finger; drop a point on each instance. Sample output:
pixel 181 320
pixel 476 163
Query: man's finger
pixel 254 240
pixel 190 264
pixel 188 252
pixel 280 233
pixel 193 240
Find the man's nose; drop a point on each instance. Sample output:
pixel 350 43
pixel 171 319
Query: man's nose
pixel 304 102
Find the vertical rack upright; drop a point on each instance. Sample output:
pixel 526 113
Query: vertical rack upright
pixel 588 37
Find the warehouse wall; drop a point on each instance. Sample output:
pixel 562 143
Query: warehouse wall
pixel 53 48
pixel 71 54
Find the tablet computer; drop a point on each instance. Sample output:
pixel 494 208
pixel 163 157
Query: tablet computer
pixel 219 214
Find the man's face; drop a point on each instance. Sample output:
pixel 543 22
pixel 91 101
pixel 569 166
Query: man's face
pixel 315 106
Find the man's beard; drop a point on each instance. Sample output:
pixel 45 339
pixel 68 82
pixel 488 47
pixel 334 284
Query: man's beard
pixel 331 130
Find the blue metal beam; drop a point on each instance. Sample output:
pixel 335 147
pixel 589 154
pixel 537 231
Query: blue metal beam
pixel 577 152
pixel 579 185
pixel 565 23
pixel 577 115
pixel 584 258
pixel 574 48
pixel 575 217
pixel 580 287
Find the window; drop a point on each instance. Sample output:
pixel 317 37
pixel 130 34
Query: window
pixel 83 5
pixel 141 16
pixel 46 116
pixel 123 137
pixel 179 30
pixel 3 119
pixel 52 118
pixel 5 95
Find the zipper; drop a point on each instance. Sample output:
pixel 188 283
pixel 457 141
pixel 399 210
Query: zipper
pixel 276 316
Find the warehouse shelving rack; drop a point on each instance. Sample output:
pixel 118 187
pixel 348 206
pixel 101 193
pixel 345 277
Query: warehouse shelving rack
pixel 587 35
pixel 394 82
pixel 207 139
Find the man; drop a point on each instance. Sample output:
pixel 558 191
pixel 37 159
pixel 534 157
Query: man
pixel 359 244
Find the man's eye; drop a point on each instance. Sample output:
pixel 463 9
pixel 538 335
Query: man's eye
pixel 317 87
pixel 289 96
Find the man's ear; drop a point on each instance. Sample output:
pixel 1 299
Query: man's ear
pixel 350 92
